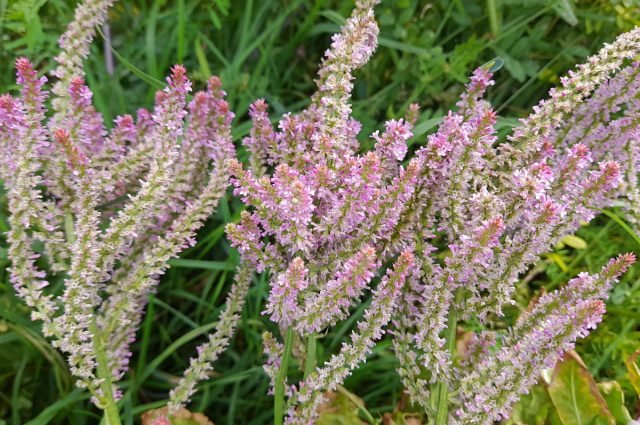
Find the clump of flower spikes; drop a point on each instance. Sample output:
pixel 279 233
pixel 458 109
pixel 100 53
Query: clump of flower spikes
pixel 561 161
pixel 128 200
pixel 498 207
pixel 322 215
pixel 324 219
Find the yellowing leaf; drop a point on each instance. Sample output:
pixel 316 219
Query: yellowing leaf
pixel 575 395
pixel 565 10
pixel 633 371
pixel 614 396
pixel 341 408
pixel 400 418
pixel 575 242
pixel 559 261
pixel 404 414
pixel 532 408
pixel 182 417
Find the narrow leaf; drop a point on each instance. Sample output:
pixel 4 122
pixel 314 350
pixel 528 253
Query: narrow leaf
pixel 201 264
pixel 575 242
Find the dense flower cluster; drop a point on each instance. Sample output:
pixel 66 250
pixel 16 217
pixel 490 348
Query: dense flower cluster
pixel 429 239
pixel 111 207
pixel 325 218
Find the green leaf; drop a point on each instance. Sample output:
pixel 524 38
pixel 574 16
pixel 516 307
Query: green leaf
pixel 404 47
pixel 559 261
pixel 427 125
pixel 340 409
pixel 564 9
pixel 554 419
pixel 575 395
pixel 614 396
pixel 201 264
pixel 153 82
pixel 575 242
pixel 533 408
pixel 622 224
pixel 494 64
pixel 48 414
pixel 215 19
pixel 514 66
pixel 202 58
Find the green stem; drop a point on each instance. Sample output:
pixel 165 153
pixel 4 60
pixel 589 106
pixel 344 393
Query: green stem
pixel 356 401
pixel 310 362
pixel 494 22
pixel 442 389
pixel 68 228
pixel 111 414
pixel 281 379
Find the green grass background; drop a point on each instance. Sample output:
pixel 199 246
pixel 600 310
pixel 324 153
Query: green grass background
pixel 270 49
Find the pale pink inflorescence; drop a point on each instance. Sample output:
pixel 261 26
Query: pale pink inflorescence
pixel 437 238
pixel 491 385
pixel 539 195
pixel 324 218
pixel 200 366
pixel 160 182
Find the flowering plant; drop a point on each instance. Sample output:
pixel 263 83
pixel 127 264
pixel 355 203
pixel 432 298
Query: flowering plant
pixel 431 238
pixel 110 207
pixel 455 226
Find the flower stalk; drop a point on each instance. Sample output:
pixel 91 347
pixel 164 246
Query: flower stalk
pixel 442 388
pixel 108 402
pixel 281 379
